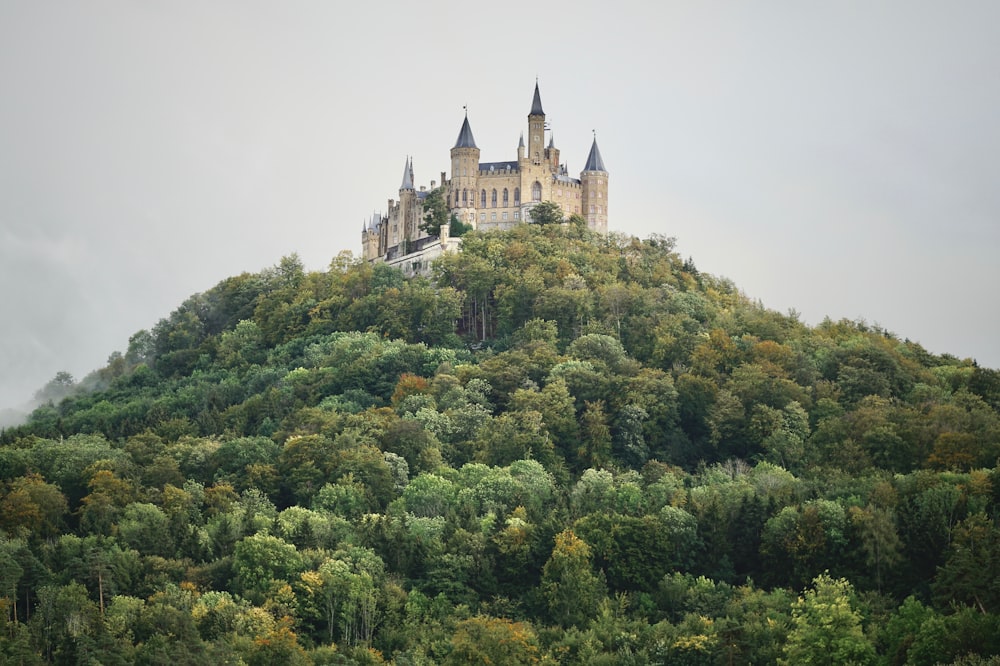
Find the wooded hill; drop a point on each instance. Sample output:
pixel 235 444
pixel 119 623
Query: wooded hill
pixel 563 448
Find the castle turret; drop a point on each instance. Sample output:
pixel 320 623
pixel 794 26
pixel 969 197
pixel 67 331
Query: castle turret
pixel 407 176
pixel 464 173
pixel 520 148
pixel 594 179
pixel 552 153
pixel 536 129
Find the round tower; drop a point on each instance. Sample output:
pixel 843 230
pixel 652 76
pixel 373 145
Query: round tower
pixel 464 174
pixel 594 179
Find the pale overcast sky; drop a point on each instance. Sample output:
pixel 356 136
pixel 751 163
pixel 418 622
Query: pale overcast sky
pixel 838 158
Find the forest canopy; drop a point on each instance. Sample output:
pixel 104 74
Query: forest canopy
pixel 561 447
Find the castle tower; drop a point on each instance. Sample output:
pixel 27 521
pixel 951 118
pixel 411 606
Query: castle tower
pixel 536 129
pixel 594 178
pixel 408 204
pixel 552 154
pixel 464 174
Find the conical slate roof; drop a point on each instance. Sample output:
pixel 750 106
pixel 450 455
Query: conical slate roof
pixel 594 161
pixel 465 138
pixel 407 176
pixel 536 103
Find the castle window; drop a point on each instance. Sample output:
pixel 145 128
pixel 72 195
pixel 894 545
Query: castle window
pixel 536 191
pixel 482 217
pixel 493 217
pixel 493 199
pixel 517 196
pixel 465 196
pixel 505 216
pixel 482 199
pixel 591 208
pixel 505 199
pixel 517 215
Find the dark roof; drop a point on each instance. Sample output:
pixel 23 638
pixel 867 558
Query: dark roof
pixel 407 176
pixel 536 103
pixel 465 138
pixel 594 161
pixel 498 166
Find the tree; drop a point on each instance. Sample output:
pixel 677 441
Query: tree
pixel 571 588
pixel 547 212
pixel 826 629
pixel 971 574
pixel 490 640
pixel 436 213
pixel 261 559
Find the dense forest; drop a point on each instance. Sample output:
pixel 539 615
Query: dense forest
pixel 562 448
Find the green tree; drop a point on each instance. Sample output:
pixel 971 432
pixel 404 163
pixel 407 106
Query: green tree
pixel 547 212
pixel 436 213
pixel 826 629
pixel 571 588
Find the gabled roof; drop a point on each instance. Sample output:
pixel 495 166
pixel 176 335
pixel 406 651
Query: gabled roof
pixel 536 103
pixel 465 138
pixel 594 161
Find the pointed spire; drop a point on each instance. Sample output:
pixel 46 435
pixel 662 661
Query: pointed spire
pixel 407 176
pixel 594 161
pixel 465 138
pixel 520 143
pixel 552 140
pixel 536 103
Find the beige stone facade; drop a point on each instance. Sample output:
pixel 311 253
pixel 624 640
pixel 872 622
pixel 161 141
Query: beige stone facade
pixel 488 195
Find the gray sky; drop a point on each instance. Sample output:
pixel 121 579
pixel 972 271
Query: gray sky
pixel 836 158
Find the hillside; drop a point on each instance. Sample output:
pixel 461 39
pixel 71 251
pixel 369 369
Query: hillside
pixel 565 448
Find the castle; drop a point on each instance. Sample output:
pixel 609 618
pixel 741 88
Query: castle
pixel 487 195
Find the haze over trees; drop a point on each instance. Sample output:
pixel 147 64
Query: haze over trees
pixel 564 448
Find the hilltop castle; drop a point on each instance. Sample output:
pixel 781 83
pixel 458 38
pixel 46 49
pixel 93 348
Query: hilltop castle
pixel 488 195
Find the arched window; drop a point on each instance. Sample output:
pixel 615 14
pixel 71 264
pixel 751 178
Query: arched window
pixel 465 196
pixel 506 201
pixel 493 199
pixel 591 209
pixel 517 196
pixel 482 199
pixel 536 191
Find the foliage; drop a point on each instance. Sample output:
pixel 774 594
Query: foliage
pixel 564 448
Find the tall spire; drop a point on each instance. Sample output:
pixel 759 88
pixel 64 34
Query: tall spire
pixel 594 161
pixel 536 103
pixel 465 138
pixel 520 143
pixel 552 140
pixel 407 176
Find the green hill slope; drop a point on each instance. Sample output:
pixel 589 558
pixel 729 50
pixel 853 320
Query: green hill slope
pixel 564 448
